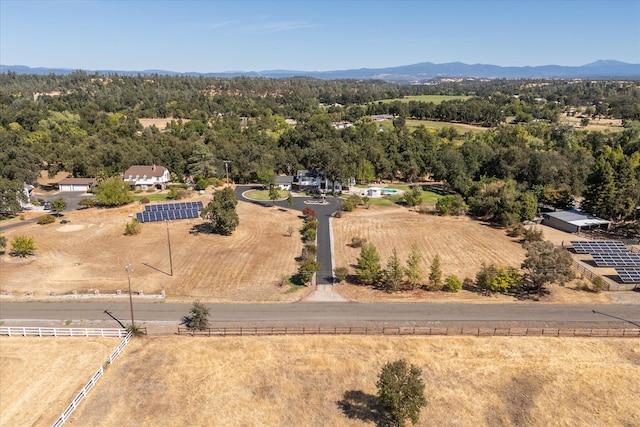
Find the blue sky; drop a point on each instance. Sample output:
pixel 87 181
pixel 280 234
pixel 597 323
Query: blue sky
pixel 216 36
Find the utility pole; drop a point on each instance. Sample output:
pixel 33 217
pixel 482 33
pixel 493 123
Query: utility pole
pixel 169 243
pixel 226 167
pixel 129 270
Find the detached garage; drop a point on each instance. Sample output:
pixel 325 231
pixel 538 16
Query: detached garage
pixel 76 184
pixel 574 221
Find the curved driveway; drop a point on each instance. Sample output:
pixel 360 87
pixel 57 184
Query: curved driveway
pixel 324 212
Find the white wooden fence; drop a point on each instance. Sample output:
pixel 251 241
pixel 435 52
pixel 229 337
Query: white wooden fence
pixel 83 393
pixel 61 332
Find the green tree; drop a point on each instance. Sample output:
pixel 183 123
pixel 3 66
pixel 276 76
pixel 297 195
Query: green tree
pixel 266 177
pixel 307 269
pixel 58 205
pixel 23 246
pixel 341 274
pixel 414 267
pixel 113 192
pixel 401 392
pixel 413 197
pixel 198 317
pixel 289 200
pixel 368 269
pixel 201 163
pixel 600 195
pixel 544 264
pixel 394 273
pixel 3 242
pixel 435 274
pixel 452 204
pixel 221 211
pixel 274 193
pixel 11 194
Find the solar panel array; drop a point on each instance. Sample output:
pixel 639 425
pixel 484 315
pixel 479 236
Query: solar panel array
pixel 629 274
pixel 170 211
pixel 173 206
pixel 603 246
pixel 616 259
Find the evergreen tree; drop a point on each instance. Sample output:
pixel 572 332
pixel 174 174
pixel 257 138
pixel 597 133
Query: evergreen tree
pixel 394 274
pixel 198 317
pixel 435 274
pixel 600 195
pixel 221 211
pixel 414 267
pixel 368 268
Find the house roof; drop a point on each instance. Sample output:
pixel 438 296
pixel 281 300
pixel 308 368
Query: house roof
pixel 284 179
pixel 144 170
pixel 78 181
pixel 577 218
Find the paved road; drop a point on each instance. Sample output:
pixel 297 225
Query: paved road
pixel 334 313
pixel 324 212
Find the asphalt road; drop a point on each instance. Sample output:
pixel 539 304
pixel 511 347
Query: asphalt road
pixel 611 315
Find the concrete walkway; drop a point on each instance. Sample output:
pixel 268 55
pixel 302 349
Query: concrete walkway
pixel 324 293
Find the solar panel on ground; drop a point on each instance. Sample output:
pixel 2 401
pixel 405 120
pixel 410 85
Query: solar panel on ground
pixel 629 274
pixel 173 206
pixel 170 211
pixel 616 259
pixel 601 246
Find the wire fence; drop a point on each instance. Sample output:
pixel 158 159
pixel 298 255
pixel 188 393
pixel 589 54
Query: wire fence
pixel 349 330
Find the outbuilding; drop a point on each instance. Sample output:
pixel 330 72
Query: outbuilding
pixel 77 184
pixel 573 221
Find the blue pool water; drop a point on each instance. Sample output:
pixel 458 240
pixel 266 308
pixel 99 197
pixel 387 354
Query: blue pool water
pixel 389 191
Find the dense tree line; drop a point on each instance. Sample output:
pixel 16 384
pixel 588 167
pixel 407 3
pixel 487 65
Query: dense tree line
pixel 88 124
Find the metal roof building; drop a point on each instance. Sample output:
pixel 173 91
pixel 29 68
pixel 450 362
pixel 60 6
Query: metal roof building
pixel 573 221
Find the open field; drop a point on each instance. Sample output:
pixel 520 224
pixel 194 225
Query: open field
pixel 431 124
pixel 330 381
pixel 40 376
pixel 90 253
pixel 161 123
pixel 611 125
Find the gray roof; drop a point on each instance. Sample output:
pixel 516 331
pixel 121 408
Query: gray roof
pixel 577 218
pixel 284 179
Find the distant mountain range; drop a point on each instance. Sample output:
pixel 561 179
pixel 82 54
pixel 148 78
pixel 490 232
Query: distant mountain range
pixel 421 72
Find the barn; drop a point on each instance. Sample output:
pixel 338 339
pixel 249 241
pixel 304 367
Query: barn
pixel 76 184
pixel 573 221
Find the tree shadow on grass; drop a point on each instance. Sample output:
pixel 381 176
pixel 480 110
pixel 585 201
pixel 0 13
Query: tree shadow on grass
pixel 356 404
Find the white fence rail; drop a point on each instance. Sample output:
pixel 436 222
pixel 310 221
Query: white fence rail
pixel 83 393
pixel 61 332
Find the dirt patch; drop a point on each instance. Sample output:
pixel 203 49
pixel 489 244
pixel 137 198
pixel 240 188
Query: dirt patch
pixel 91 253
pixel 161 123
pixel 40 376
pixel 261 381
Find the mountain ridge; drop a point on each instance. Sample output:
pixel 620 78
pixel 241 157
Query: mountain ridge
pixel 412 73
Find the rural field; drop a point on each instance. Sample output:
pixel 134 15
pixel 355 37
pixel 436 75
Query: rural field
pixel 40 376
pixel 90 253
pixel 330 381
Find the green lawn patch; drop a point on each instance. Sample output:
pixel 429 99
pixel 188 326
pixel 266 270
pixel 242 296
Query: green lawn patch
pixel 263 195
pixel 153 197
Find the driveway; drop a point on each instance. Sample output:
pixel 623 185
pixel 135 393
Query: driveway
pixel 324 238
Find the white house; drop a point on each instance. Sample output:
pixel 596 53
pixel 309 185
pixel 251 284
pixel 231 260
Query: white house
pixel 315 181
pixel 144 177
pixel 77 184
pixel 284 182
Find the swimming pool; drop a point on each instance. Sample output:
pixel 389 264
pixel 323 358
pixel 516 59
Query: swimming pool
pixel 389 191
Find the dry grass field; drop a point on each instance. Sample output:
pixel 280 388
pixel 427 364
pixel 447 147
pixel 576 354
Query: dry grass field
pixel 40 376
pixel 90 253
pixel 462 244
pixel 330 381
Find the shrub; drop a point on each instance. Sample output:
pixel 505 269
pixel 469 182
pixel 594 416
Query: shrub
pixel 151 190
pixel 599 285
pixel 307 270
pixel 177 193
pixel 144 201
pixel 22 246
pixel 401 392
pixel 341 274
pixel 309 214
pixel 534 234
pixel 132 228
pixel 46 219
pixel 309 235
pixel 309 251
pixel 357 242
pixel 452 284
pixel 517 230
pixel 87 203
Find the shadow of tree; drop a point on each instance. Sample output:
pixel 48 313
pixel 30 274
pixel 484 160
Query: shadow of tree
pixel 356 404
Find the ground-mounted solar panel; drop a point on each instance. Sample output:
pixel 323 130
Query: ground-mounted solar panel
pixel 616 259
pixel 629 274
pixel 600 246
pixel 170 211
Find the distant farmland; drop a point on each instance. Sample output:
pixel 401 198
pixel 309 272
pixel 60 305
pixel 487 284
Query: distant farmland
pixel 436 99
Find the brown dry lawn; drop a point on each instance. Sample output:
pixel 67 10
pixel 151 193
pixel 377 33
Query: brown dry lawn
pixel 307 381
pixel 40 376
pixel 91 253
